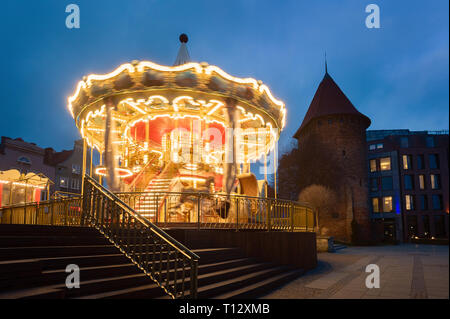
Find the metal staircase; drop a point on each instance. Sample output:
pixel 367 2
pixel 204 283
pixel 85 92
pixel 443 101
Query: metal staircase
pixel 148 205
pixel 121 254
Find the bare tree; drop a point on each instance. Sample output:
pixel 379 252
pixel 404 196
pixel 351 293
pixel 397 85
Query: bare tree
pixel 322 199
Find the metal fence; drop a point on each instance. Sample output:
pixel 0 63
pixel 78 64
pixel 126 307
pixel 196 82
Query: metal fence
pixel 199 210
pixel 203 210
pixel 59 212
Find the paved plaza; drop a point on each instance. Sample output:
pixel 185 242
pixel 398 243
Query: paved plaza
pixel 406 272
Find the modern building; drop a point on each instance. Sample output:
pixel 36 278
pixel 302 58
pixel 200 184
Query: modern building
pixel 408 183
pixel 332 153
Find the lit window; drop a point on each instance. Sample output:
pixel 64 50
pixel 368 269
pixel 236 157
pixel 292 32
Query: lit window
pixel 385 164
pixel 379 145
pixel 409 202
pixel 372 147
pixel 63 182
pixel 373 165
pixel 375 205
pixel 435 181
pixel 387 204
pixel 406 162
pixel 422 181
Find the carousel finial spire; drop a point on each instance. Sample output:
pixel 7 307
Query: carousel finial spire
pixel 183 54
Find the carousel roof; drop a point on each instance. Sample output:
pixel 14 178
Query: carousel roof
pixel 143 90
pixel 183 53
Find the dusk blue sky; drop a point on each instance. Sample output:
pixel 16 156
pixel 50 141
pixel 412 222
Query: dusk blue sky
pixel 397 75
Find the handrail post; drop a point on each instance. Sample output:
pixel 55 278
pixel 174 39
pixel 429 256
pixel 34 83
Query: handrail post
pixel 194 273
pixel 291 208
pixel 198 212
pixel 237 214
pixel 269 208
pixel 66 214
pixel 165 211
pixel 306 219
pixel 51 213
pixel 37 211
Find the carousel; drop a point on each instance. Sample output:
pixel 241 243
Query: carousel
pixel 186 128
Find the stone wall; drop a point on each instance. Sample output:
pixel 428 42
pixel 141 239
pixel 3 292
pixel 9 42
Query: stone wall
pixel 333 153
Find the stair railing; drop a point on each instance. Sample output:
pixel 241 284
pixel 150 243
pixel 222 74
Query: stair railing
pixel 169 263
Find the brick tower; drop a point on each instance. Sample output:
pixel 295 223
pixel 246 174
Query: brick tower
pixel 332 153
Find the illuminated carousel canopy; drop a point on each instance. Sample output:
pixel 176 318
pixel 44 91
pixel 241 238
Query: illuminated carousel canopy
pixel 156 119
pixel 145 90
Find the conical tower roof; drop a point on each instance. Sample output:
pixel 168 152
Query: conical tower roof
pixel 183 54
pixel 329 100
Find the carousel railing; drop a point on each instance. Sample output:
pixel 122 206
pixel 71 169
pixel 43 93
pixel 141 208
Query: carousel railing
pixel 204 210
pixel 58 212
pixel 170 264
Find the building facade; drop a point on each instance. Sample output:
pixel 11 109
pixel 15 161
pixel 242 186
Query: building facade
pixel 331 153
pixel 68 167
pixel 63 169
pixel 408 183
